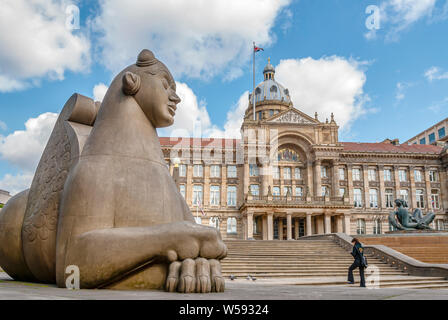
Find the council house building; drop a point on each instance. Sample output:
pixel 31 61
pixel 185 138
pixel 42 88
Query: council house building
pixel 290 176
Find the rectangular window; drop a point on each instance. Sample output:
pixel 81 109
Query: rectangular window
pixel 253 170
pixel 325 190
pixel 404 195
pixel 373 198
pixel 423 141
pixel 231 225
pixel 389 198
pixel 214 195
pixel 299 192
pixel 341 192
pixel 420 197
pixel 402 175
pixel 182 190
pixel 323 172
pixel 377 226
pixel 231 171
pixel 440 225
pixel 198 170
pixel 432 137
pixel 231 196
pixel 441 132
pixel 433 176
pixel 197 195
pixel 275 173
pixel 287 173
pixel 356 173
pixel 255 189
pixel 341 174
pixel 297 174
pixel 361 226
pixel 276 191
pixel 182 170
pixel 435 199
pixel 287 191
pixel 387 175
pixel 418 176
pixel 372 174
pixel 215 171
pixel 357 198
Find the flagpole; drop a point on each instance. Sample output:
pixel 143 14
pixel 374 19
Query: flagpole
pixel 253 91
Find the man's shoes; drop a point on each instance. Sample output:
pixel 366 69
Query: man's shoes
pixel 362 286
pixel 350 282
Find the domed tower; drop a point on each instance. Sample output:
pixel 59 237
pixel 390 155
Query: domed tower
pixel 270 97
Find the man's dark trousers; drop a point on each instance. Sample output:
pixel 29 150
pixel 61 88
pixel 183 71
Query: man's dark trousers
pixel 356 264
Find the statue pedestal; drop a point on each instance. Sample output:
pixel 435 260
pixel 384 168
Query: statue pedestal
pixel 415 231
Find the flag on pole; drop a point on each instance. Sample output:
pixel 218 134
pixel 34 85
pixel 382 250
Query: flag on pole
pixel 200 206
pixel 256 49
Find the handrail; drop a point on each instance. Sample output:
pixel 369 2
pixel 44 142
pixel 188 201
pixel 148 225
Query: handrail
pixel 390 256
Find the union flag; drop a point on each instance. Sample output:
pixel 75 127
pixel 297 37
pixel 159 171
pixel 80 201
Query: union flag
pixel 256 49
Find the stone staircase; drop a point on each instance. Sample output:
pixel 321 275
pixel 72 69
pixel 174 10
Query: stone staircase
pixel 311 262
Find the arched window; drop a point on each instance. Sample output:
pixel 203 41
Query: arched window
pixel 231 225
pixel 361 226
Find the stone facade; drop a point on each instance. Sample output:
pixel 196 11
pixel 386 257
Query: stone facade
pixel 4 196
pixel 290 176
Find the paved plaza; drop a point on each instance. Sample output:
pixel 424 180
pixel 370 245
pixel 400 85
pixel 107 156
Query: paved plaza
pixel 239 289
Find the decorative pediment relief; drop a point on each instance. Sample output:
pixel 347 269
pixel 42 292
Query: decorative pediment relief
pixel 291 117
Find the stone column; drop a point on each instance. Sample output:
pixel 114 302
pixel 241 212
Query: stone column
pixel 206 173
pixel 270 221
pixel 397 182
pixel 309 179
pixel 265 227
pixel 317 179
pixel 347 228
pixel 365 174
pixel 443 176
pixel 428 203
pixel 189 186
pixel 382 191
pixel 280 228
pixel 246 178
pixel 349 189
pixel 412 191
pixel 309 228
pixel 339 224
pixel 250 225
pixel 223 202
pixel 288 226
pixel 335 179
pixel 264 179
pixel 320 224
pixel 296 228
pixel 327 223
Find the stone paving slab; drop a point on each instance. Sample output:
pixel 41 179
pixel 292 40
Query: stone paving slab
pixel 235 290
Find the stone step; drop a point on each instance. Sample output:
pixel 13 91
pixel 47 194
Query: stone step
pixel 297 275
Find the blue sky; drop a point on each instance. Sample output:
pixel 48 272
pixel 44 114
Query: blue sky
pixel 391 83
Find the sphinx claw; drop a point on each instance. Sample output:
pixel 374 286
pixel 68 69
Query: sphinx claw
pixel 187 276
pixel 173 276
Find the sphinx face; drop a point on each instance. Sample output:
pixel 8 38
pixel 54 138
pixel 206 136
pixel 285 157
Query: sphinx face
pixel 158 99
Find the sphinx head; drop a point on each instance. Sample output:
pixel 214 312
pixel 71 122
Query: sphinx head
pixel 151 84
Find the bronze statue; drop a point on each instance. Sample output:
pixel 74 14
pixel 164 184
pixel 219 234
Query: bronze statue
pixel 103 200
pixel 401 219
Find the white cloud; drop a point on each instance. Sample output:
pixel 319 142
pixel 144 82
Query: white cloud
pixel 195 38
pixel 401 90
pixel 330 84
pixel 99 91
pixel 23 148
pixel 35 43
pixel 435 73
pixel 3 125
pixel 399 15
pixel 16 183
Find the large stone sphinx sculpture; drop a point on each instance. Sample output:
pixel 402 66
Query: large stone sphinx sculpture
pixel 103 200
pixel 401 219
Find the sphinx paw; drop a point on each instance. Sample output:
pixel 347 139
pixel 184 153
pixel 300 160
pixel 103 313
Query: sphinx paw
pixel 187 277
